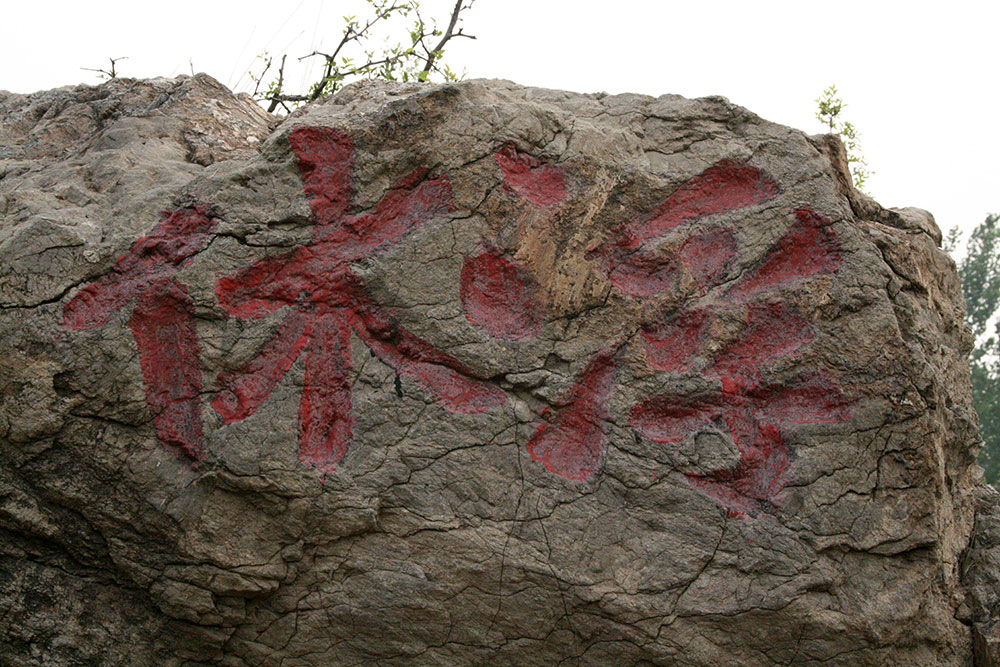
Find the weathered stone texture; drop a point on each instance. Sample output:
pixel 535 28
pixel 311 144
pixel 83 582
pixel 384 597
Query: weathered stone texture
pixel 473 374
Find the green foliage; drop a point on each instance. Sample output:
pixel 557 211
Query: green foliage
pixel 979 271
pixel 986 399
pixel 951 240
pixel 416 58
pixel 829 108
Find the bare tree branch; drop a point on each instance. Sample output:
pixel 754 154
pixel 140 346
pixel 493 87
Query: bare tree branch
pixel 412 60
pixel 258 80
pixel 110 73
pixel 275 90
pixel 448 34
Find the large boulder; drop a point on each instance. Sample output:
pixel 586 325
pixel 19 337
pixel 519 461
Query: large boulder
pixel 473 374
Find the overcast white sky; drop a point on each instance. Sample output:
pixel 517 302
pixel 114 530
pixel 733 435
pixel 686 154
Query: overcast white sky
pixel 920 78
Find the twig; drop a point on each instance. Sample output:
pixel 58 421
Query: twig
pixel 108 73
pixel 448 34
pixel 350 35
pixel 401 60
pixel 260 79
pixel 276 91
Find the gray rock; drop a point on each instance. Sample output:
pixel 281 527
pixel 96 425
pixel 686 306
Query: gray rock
pixel 981 576
pixel 473 374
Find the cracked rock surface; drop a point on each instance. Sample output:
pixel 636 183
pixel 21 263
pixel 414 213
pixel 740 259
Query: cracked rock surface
pixel 473 374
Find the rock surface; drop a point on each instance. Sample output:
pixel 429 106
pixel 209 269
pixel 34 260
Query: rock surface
pixel 473 374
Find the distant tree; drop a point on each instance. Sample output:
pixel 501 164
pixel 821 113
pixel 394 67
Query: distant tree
pixel 979 271
pixel 829 108
pixel 415 58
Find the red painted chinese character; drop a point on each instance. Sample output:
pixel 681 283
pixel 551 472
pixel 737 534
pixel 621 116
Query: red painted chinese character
pixel 328 303
pixel 753 415
pixel 161 321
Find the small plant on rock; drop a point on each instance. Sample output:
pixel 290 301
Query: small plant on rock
pixel 830 106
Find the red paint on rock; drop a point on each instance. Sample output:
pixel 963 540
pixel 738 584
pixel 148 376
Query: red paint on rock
pixel 328 302
pixel 667 420
pixel 809 248
pixel 325 419
pixel 244 390
pixel 160 254
pixel 162 322
pixel 573 444
pixel 707 256
pixel 809 398
pixel 756 482
pixel 752 484
pixel 645 274
pixel 165 336
pixel 672 342
pixel 755 422
pixel 326 160
pixel 542 184
pixel 440 373
pixel 752 415
pixel 500 296
pixel 755 417
pixel 723 187
pixel 771 330
pixel 634 267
